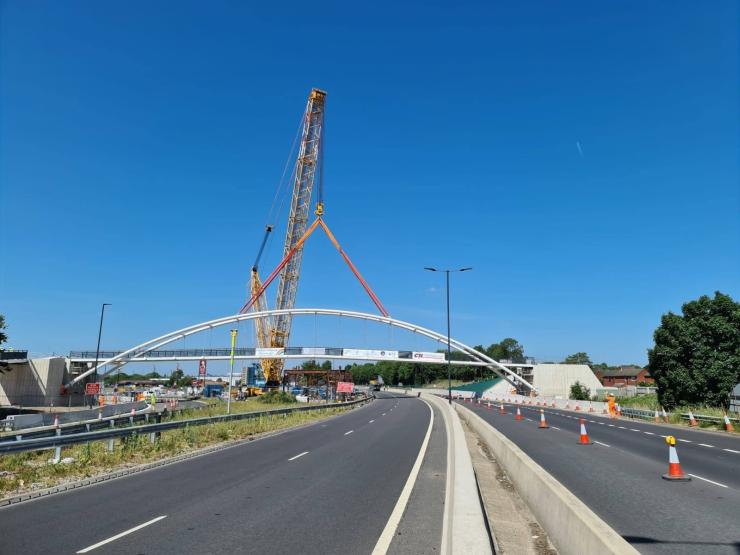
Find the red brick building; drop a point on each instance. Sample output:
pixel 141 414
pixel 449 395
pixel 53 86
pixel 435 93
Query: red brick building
pixel 624 375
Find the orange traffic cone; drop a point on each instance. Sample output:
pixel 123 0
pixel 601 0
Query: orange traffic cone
pixel 584 440
pixel 692 420
pixel 489 405
pixel 657 417
pixel 590 406
pixel 619 410
pixel 665 416
pixel 543 423
pixel 501 409
pixel 578 407
pixel 554 405
pixel 728 424
pixel 518 414
pixel 674 467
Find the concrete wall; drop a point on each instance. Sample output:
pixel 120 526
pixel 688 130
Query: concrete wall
pixel 555 379
pixel 35 383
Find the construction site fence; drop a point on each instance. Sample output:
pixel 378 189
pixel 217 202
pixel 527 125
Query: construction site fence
pixel 112 431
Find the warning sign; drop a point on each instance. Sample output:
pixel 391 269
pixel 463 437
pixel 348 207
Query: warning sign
pixel 345 387
pixel 92 389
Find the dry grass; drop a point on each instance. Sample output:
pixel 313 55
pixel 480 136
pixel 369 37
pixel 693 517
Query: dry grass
pixel 33 470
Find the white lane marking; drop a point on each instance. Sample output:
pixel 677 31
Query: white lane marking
pixel 384 541
pixel 604 444
pixel 347 433
pixel 298 456
pixel 117 536
pixel 610 425
pixel 649 433
pixel 731 450
pixel 601 423
pixel 685 440
pixel 635 430
pixel 371 421
pixel 382 414
pixel 554 427
pixel 710 481
pixel 621 427
pixel 705 445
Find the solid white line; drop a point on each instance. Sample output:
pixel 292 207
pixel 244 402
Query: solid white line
pixel 297 456
pixel 705 445
pixel 710 481
pixel 604 444
pixel 129 531
pixel 731 450
pixel 385 539
pixel 371 421
pixel 347 433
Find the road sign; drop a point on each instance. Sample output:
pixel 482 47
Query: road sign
pixel 202 367
pixel 345 387
pixel 92 389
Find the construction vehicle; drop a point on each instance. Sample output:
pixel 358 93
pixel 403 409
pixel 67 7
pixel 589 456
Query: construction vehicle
pixel 274 332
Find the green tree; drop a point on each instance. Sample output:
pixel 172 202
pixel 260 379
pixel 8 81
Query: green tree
pixel 3 335
pixel 506 349
pixel 577 358
pixel 579 392
pixel 696 357
pixel 326 365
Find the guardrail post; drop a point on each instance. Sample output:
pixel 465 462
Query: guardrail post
pixel 58 449
pixel 111 441
pixel 154 436
pixel 19 437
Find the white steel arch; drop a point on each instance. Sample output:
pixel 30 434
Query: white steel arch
pixel 162 340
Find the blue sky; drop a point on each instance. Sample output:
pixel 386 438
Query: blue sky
pixel 581 156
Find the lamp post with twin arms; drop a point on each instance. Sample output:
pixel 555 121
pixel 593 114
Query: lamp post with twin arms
pixel 449 353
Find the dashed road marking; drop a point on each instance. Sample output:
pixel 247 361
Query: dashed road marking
pixel 731 451
pixel 685 440
pixel 382 414
pixel 610 425
pixel 705 479
pixel 621 427
pixel 347 433
pixel 371 421
pixel 554 427
pixel 127 532
pixel 604 444
pixel 298 456
pixel 705 445
pixel 635 430
pixel 649 433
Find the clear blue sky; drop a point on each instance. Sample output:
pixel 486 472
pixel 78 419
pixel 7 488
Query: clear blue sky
pixel 581 156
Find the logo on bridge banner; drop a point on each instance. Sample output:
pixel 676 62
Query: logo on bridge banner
pixel 430 357
pixel 267 352
pixel 369 353
pixel 202 367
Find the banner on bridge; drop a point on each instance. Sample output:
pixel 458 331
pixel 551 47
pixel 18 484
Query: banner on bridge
pixel 369 354
pixel 428 357
pixel 267 352
pixel 313 351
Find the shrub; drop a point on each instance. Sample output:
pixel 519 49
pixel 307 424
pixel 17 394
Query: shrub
pixel 276 397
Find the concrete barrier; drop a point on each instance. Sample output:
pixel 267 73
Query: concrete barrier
pixel 573 527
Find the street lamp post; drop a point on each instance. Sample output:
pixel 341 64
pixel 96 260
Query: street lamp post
pixel 100 333
pixel 234 333
pixel 449 352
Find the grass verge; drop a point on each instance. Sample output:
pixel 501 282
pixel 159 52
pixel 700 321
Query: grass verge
pixel 32 470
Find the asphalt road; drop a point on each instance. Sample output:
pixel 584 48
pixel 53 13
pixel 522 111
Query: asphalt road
pixel 327 488
pixel 619 477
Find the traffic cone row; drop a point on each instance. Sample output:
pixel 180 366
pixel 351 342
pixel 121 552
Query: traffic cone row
pixel 501 409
